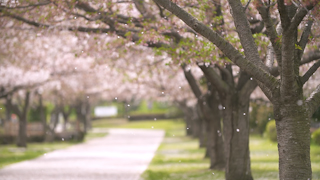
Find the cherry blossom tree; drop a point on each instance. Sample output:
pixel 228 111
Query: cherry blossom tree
pixel 134 25
pixel 126 29
pixel 292 112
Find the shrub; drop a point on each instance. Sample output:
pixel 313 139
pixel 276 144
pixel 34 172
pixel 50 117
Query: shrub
pixel 34 114
pixel 271 131
pixel 316 136
pixel 260 115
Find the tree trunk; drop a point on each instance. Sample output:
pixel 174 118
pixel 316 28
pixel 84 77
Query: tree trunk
pixel 43 116
pixel 214 141
pixel 87 115
pixel 22 134
pixel 78 109
pixel 8 109
pixel 203 130
pixel 66 113
pixel 236 136
pixel 188 121
pixel 293 134
pixel 196 123
pixel 188 115
pixel 54 119
pixel 84 115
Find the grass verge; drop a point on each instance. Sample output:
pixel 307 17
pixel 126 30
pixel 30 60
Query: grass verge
pixel 179 157
pixel 10 154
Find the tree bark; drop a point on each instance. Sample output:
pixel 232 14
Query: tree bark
pixel 8 109
pixel 22 135
pixel 87 115
pixel 202 129
pixel 43 116
pixel 188 120
pixel 80 117
pixel 236 136
pixel 214 138
pixel 84 114
pixel 196 123
pixel 54 119
pixel 293 145
pixel 208 108
pixel 66 113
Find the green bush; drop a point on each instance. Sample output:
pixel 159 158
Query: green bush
pixel 260 115
pixel 316 137
pixel 271 131
pixel 34 114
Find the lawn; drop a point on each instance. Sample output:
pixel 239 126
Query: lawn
pixel 10 154
pixel 179 157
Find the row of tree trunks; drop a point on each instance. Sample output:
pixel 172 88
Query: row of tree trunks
pixel 236 136
pixel 83 114
pixel 215 144
pixel 42 114
pixel 202 126
pixel 66 114
pixel 21 112
pixel 83 110
pixel 194 126
pixel 54 120
pixel 210 122
pixel 234 104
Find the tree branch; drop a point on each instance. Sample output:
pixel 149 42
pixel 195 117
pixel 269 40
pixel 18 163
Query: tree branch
pixel 79 28
pixel 161 12
pixel 104 16
pixel 246 7
pixel 270 28
pixel 173 34
pixel 19 18
pixel 243 79
pixel 313 101
pixel 4 93
pixel 140 5
pixel 225 73
pixel 82 6
pixel 270 56
pixel 300 14
pixel 233 54
pixel 305 37
pixel 266 91
pixel 85 6
pixel 243 28
pixel 284 17
pixel 214 79
pixel 192 82
pixel 27 6
pixel 247 89
pixel 310 72
pixel 310 56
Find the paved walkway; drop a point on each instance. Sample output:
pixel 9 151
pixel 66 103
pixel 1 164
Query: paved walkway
pixel 122 155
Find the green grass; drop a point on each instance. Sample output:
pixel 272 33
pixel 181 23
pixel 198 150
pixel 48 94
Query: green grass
pixel 179 157
pixel 10 154
pixel 157 108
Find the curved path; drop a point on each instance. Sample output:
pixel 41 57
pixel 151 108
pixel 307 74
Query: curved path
pixel 122 155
